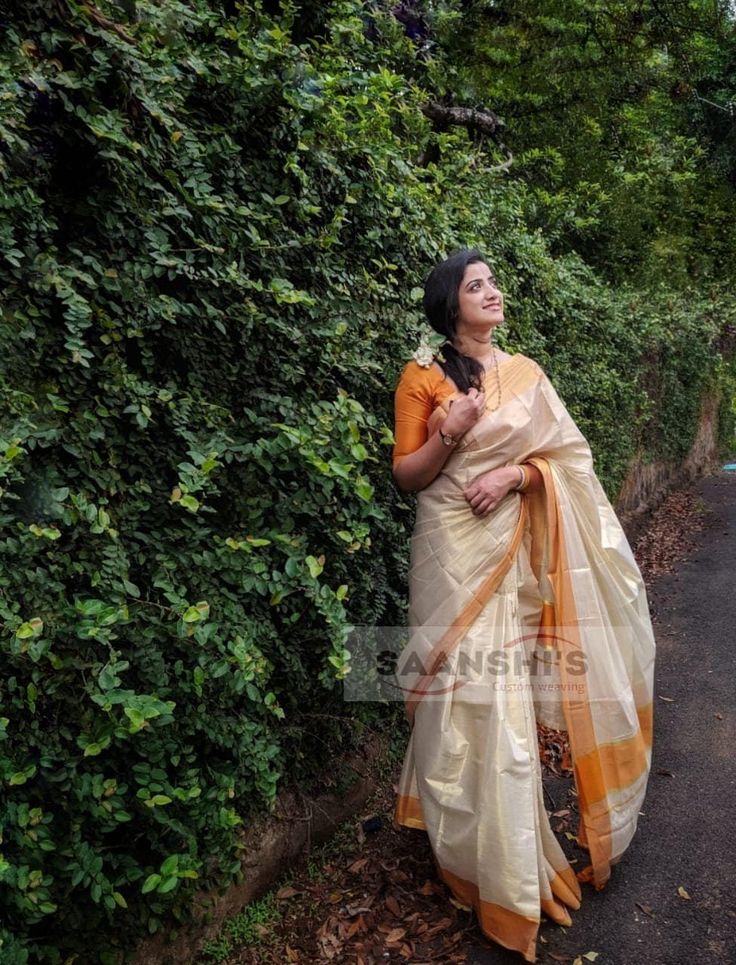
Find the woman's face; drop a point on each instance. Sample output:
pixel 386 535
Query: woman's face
pixel 480 303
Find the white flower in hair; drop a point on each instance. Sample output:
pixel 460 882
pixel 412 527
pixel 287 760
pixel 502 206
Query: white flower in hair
pixel 424 355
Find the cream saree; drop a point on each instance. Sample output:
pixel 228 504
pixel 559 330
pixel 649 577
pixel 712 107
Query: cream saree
pixel 536 611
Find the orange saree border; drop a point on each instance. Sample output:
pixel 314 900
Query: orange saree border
pixel 598 768
pixel 408 811
pixel 507 927
pixel 504 926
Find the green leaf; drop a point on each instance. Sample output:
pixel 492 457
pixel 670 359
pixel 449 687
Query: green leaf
pixel 364 490
pixel 315 567
pixel 170 864
pixel 151 882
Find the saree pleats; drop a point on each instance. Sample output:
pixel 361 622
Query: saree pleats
pixel 536 612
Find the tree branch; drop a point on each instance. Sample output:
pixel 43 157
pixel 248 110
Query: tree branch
pixel 484 121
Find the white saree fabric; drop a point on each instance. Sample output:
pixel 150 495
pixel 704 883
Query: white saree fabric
pixel 535 612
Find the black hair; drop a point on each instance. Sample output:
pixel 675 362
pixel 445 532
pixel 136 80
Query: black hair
pixel 441 305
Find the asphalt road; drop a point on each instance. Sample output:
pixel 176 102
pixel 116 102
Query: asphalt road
pixel 687 834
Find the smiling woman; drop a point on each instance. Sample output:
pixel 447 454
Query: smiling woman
pixel 463 302
pixel 526 606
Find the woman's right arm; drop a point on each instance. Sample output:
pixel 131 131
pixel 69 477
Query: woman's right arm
pixel 417 469
pixel 419 459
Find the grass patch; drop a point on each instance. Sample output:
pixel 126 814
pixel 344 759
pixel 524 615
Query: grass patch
pixel 250 927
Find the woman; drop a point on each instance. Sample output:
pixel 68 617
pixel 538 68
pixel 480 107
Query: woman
pixel 526 606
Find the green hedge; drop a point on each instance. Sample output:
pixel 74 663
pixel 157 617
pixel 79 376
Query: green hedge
pixel 212 239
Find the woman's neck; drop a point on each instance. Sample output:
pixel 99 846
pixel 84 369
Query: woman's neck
pixel 476 347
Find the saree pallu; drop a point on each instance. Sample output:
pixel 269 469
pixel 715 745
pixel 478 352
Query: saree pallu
pixel 535 612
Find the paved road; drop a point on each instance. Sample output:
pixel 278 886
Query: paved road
pixel 687 836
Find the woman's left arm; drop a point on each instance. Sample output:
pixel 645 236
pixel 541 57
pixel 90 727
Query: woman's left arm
pixel 486 492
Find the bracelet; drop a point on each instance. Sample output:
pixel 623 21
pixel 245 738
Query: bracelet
pixel 524 481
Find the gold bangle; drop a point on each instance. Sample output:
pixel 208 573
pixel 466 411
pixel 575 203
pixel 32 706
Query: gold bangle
pixel 524 480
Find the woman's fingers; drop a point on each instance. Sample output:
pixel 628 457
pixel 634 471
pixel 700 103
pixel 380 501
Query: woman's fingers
pixel 482 502
pixel 484 506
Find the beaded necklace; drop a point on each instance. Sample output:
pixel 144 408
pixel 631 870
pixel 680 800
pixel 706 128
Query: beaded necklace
pixel 494 366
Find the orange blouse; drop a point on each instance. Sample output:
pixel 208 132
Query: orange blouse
pixel 418 393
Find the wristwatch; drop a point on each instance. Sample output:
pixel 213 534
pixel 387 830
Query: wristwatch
pixel 447 439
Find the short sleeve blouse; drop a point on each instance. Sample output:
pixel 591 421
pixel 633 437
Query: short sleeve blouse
pixel 418 393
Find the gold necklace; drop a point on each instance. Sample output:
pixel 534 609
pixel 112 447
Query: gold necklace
pixel 494 365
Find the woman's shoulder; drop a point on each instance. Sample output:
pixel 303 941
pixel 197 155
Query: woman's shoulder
pixel 426 374
pixel 528 363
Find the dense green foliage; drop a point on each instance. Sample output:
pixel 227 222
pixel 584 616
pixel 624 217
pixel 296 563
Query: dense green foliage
pixel 621 117
pixel 215 219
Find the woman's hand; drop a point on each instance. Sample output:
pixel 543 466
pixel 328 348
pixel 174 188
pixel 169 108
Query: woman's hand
pixel 419 468
pixel 486 492
pixel 464 412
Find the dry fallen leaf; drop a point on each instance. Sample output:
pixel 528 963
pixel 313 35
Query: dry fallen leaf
pixel 645 908
pixel 591 956
pixel 358 865
pixel 353 910
pixel 442 925
pixel 670 700
pixel 393 906
pixel 287 892
pixel 665 772
pixel 292 954
pixel 682 893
